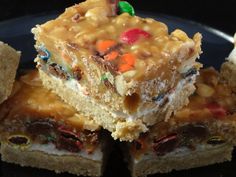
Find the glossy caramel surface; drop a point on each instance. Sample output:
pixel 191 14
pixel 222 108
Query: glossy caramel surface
pixel 30 100
pixel 72 39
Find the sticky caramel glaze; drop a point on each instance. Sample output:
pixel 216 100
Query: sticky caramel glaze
pixel 155 56
pixel 30 100
pixel 220 122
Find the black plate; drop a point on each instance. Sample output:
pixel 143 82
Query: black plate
pixel 216 46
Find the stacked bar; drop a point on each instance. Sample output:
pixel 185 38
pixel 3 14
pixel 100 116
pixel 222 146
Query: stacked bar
pixel 126 74
pixel 200 134
pixel 9 60
pixel 39 130
pixel 125 71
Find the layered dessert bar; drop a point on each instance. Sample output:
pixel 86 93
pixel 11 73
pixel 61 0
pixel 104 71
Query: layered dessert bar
pixel 228 69
pixel 9 61
pixel 200 134
pixel 126 71
pixel 39 130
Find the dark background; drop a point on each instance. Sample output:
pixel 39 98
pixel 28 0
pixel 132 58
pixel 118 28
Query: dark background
pixel 219 14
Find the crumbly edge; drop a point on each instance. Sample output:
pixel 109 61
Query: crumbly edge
pixel 228 73
pixel 123 129
pixel 180 99
pixel 9 61
pixel 67 163
pixel 194 159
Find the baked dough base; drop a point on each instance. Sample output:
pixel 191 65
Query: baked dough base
pixel 179 161
pixel 73 164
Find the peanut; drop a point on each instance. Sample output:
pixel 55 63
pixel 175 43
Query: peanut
pixel 205 90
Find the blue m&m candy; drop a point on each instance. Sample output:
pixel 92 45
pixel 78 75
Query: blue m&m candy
pixel 44 54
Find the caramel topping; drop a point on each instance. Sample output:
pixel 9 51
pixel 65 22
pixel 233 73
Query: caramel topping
pixel 85 24
pixel 212 100
pixel 32 100
pixel 204 106
pixel 200 120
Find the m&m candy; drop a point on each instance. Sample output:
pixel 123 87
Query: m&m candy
pixel 126 7
pixel 44 54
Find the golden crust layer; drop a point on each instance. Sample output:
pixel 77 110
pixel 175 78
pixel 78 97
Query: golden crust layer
pixel 196 158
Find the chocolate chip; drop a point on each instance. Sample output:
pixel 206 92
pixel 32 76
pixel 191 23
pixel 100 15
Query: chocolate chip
pixel 77 74
pixel 161 99
pixel 57 71
pixel 68 140
pixel 107 65
pixel 109 85
pixel 68 144
pixel 158 98
pixel 191 131
pixel 19 140
pixel 114 7
pixel 165 144
pixel 76 17
pixel 40 127
pixel 67 133
pixel 137 145
pixel 190 72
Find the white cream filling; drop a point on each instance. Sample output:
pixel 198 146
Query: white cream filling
pixel 180 86
pixel 74 85
pixel 50 149
pixel 171 97
pixel 232 55
pixel 177 153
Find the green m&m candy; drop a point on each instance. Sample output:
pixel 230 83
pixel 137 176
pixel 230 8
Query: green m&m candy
pixel 126 7
pixel 104 77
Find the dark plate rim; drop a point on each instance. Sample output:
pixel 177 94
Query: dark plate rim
pixel 213 30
